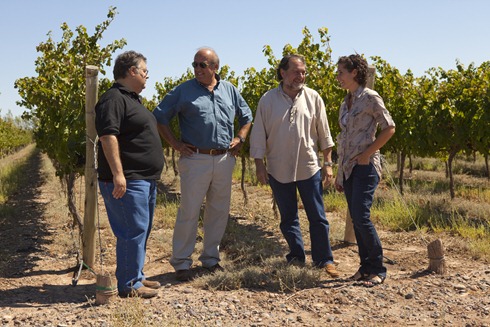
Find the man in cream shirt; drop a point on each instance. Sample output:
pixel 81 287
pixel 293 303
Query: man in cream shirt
pixel 290 126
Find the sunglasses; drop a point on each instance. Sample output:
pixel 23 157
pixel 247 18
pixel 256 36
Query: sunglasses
pixel 200 64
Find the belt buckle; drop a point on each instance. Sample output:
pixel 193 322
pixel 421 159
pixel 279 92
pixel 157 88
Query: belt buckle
pixel 213 152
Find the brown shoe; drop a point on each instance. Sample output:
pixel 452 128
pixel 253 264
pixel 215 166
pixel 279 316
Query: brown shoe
pixel 143 292
pixel 184 275
pixel 331 270
pixel 151 284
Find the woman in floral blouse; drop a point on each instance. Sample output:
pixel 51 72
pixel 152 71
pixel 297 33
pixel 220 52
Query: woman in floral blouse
pixel 359 171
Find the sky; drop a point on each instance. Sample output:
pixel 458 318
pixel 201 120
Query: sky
pixel 415 34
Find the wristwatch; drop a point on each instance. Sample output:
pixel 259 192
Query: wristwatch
pixel 328 164
pixel 242 139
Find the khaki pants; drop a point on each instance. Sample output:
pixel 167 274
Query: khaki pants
pixel 202 176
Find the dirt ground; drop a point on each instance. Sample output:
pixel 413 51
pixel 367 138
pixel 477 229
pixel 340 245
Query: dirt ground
pixel 36 284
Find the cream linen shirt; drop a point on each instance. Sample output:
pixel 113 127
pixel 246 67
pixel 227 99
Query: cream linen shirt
pixel 289 133
pixel 358 128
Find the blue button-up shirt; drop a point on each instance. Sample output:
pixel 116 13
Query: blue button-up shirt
pixel 205 118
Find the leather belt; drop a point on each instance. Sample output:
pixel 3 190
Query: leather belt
pixel 212 152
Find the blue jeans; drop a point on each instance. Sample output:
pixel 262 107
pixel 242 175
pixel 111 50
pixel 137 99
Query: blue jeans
pixel 131 218
pixel 359 192
pixel 310 191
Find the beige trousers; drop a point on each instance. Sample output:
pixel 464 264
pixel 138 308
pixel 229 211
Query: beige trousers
pixel 202 177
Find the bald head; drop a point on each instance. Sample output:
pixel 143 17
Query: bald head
pixel 210 54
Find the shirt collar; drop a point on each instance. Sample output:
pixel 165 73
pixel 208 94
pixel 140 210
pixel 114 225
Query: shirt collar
pixel 126 90
pixel 284 93
pixel 218 79
pixel 359 91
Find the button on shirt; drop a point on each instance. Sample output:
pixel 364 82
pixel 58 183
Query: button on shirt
pixel 289 134
pixel 358 129
pixel 205 118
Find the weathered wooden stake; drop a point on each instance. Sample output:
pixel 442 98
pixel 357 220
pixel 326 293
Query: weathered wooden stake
pixel 437 262
pixel 349 235
pixel 89 228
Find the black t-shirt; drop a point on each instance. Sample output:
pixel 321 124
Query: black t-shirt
pixel 120 112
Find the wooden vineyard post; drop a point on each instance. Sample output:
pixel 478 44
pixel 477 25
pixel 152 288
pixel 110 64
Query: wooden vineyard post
pixel 437 262
pixel 89 228
pixel 349 235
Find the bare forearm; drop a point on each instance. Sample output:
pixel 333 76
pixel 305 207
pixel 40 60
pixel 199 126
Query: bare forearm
pixel 380 141
pixel 261 171
pixel 110 145
pixel 168 136
pixel 327 154
pixel 243 132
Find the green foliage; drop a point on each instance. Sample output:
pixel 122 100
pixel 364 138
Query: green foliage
pixel 162 89
pixel 12 174
pixel 399 95
pixel 56 96
pixel 320 74
pixel 13 135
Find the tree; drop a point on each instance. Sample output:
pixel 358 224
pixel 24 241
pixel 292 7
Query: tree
pixel 456 108
pixel 14 134
pixel 480 128
pixel 398 93
pixel 55 98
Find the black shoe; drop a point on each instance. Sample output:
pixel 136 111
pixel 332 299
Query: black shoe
pixel 184 275
pixel 296 262
pixel 214 268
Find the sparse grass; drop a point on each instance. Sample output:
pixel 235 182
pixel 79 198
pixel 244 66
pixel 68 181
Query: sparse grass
pixel 249 243
pixel 12 173
pixel 394 214
pixel 130 313
pixel 165 214
pixel 12 179
pixel 426 203
pixel 133 312
pixel 334 201
pixel 272 275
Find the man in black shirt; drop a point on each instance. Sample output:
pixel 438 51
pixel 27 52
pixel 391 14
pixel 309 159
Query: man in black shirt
pixel 130 162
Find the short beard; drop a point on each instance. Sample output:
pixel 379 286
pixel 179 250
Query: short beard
pixel 296 86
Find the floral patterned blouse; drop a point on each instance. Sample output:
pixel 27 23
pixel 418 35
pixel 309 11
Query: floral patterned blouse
pixel 358 129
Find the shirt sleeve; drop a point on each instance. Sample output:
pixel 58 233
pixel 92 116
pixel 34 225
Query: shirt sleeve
pixel 325 139
pixel 381 114
pixel 258 137
pixel 244 113
pixel 167 108
pixel 109 116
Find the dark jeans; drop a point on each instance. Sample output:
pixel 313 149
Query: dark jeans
pixel 359 192
pixel 310 191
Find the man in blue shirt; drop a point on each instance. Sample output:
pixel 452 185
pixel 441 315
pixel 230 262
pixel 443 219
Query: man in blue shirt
pixel 206 108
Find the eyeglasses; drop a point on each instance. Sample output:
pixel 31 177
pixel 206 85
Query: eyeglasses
pixel 145 71
pixel 292 113
pixel 200 64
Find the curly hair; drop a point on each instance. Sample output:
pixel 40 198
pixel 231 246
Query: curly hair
pixel 355 61
pixel 125 61
pixel 284 64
